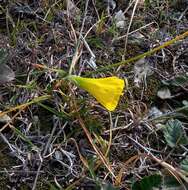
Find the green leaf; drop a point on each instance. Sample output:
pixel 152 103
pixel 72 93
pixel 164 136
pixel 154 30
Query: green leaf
pixel 61 114
pixel 177 81
pixel 147 3
pixel 174 133
pixel 170 182
pixel 25 138
pixel 184 164
pixel 52 187
pixel 3 56
pixel 148 183
pixel 95 42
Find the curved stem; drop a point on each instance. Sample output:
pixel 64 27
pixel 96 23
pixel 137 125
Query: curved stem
pixel 148 53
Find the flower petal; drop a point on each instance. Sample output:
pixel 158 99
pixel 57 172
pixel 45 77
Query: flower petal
pixel 107 91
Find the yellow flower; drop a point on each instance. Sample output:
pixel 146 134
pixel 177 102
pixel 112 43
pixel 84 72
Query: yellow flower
pixel 107 91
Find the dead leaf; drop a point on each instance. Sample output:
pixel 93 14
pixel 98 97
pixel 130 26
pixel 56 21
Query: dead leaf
pixel 72 9
pixel 6 74
pixel 5 118
pixel 119 19
pixel 164 93
pixel 111 3
pixel 141 70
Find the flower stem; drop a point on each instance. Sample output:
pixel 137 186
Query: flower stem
pixel 148 53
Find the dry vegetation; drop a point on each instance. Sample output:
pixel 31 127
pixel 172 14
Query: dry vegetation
pixel 56 136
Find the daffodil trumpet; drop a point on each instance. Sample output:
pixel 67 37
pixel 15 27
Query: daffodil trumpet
pixel 107 91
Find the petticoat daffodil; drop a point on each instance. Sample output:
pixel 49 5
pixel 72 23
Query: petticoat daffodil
pixel 107 91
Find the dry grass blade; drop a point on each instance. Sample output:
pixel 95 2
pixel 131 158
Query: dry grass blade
pixel 178 175
pixel 84 161
pixel 123 169
pixel 23 106
pixel 129 27
pixel 8 124
pixel 53 134
pixel 43 155
pixel 99 153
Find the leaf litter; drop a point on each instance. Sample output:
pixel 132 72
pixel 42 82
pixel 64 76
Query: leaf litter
pixel 147 119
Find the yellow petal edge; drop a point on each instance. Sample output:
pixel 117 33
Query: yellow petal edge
pixel 107 91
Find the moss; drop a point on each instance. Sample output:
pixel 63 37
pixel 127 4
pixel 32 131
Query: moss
pixel 24 187
pixel 3 183
pixel 153 85
pixel 179 5
pixel 150 92
pixel 42 185
pixel 5 159
pixel 134 47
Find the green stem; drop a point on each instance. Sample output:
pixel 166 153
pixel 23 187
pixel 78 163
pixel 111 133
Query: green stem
pixel 64 74
pixel 148 53
pixel 22 106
